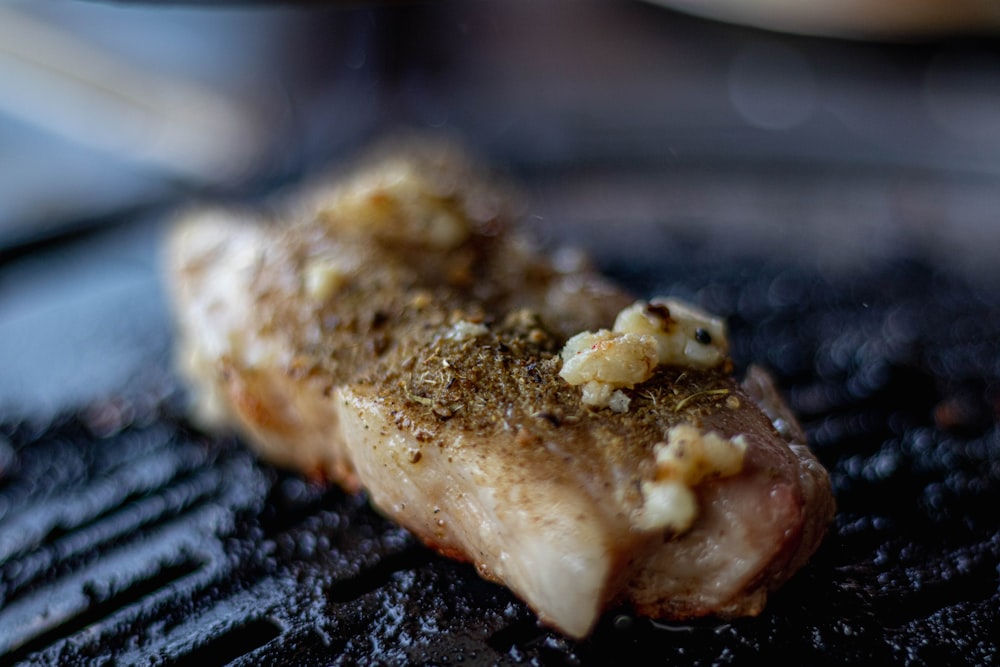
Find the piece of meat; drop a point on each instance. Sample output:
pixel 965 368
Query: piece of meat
pixel 394 334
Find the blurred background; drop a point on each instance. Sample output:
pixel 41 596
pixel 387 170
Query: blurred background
pixel 631 125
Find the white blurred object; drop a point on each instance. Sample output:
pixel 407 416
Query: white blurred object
pixel 109 108
pixel 61 84
pixel 852 18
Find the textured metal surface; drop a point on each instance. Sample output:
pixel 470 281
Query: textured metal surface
pixel 127 538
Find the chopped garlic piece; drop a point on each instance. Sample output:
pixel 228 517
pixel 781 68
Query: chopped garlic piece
pixel 619 401
pixel 645 335
pixel 325 276
pixel 397 205
pixel 685 335
pixel 605 361
pixel 666 505
pixel 600 394
pixel 597 394
pixel 688 457
pixel 464 330
pixel 692 455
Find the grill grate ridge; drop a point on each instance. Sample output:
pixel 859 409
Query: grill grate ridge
pixel 274 568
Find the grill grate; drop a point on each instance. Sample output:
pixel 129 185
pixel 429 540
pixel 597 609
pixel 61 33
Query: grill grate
pixel 147 543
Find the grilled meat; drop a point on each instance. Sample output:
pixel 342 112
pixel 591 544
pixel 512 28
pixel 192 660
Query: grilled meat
pixel 394 334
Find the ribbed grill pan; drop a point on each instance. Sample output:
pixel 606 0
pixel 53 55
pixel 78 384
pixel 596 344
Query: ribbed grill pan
pixel 135 540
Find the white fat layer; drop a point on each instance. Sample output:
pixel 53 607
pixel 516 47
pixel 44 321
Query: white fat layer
pixel 547 542
pixel 219 305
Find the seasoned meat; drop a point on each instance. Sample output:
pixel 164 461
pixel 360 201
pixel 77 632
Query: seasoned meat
pixel 394 333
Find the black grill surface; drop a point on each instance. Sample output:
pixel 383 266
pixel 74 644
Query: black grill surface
pixel 128 538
